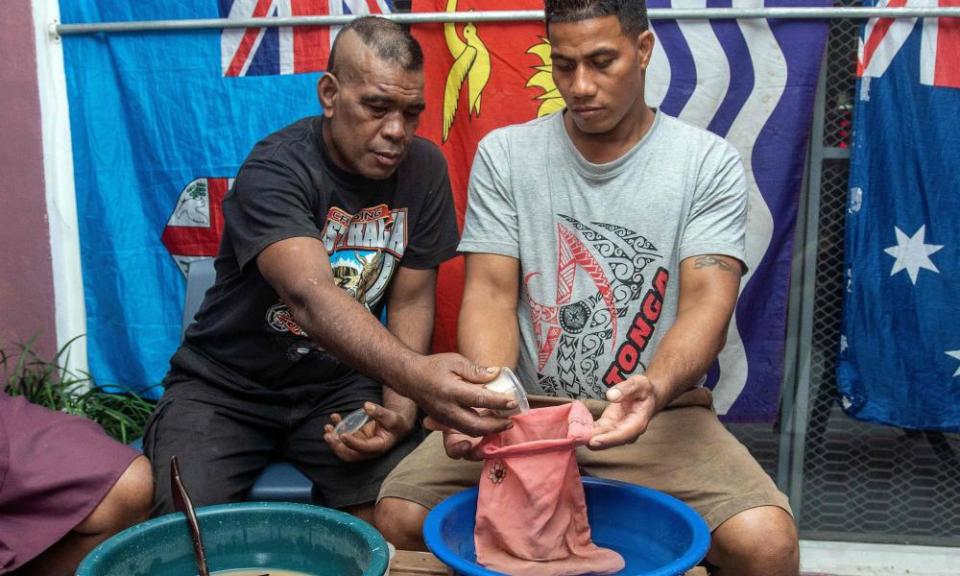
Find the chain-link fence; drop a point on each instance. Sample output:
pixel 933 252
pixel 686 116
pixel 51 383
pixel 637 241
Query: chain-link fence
pixel 857 481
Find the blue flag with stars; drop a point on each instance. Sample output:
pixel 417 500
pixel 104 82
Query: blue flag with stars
pixel 900 342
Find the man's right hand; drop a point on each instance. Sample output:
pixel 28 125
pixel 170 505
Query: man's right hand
pixel 448 387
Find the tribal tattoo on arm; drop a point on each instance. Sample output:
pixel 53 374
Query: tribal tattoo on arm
pixel 707 261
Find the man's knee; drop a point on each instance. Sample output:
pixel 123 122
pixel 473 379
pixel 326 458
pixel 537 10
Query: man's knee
pixel 401 522
pixel 205 488
pixel 127 503
pixel 760 540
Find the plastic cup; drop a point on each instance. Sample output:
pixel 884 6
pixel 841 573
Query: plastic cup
pixel 352 422
pixel 507 383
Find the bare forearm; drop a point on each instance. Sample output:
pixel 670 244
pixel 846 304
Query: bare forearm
pixel 412 324
pixel 405 407
pixel 686 352
pixel 443 384
pixel 488 333
pixel 706 299
pixel 709 286
pixel 360 340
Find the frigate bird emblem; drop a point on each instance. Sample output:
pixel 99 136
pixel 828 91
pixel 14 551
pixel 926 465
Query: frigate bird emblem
pixel 471 66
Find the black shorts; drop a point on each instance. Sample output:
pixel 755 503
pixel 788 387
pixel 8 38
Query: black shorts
pixel 224 441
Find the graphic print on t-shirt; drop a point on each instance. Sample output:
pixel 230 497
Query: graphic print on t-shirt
pixel 364 249
pixel 579 325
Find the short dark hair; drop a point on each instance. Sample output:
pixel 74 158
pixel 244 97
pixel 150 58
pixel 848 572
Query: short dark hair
pixel 390 41
pixel 632 14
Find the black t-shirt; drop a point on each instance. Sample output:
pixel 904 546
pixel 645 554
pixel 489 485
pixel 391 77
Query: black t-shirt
pixel 244 338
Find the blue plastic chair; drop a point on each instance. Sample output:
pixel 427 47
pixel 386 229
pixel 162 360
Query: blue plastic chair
pixel 280 481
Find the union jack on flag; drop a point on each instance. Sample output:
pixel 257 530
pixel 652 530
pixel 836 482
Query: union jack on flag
pixel 287 49
pixel 939 45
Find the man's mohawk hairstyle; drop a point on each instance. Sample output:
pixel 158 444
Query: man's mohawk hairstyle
pixel 389 40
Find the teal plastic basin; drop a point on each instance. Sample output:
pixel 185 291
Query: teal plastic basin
pixel 276 535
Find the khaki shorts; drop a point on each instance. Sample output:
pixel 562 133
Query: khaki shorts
pixel 685 452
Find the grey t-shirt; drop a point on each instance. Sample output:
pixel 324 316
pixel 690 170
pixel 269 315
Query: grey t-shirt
pixel 600 245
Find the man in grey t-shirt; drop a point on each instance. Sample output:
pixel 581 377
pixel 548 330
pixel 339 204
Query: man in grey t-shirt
pixel 605 247
pixel 600 245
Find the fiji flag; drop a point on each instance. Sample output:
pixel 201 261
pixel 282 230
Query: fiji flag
pixel 285 50
pixel 900 343
pixel 160 122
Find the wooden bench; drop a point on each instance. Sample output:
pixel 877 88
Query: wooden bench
pixel 407 563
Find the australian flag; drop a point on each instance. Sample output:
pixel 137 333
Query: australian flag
pixel 285 50
pixel 900 343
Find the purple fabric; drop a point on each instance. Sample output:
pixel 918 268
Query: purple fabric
pixel 54 470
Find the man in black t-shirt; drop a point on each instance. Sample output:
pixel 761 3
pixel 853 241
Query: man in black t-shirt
pixel 329 221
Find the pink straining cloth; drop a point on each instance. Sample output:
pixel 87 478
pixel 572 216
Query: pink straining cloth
pixel 531 511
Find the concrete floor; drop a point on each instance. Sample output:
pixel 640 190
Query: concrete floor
pixel 859 559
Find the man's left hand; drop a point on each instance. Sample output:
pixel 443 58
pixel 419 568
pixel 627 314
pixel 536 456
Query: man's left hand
pixel 377 436
pixel 633 403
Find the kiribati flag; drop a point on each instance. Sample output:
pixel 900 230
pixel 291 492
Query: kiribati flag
pixel 900 343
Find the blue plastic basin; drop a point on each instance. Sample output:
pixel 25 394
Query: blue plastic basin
pixel 276 535
pixel 656 534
